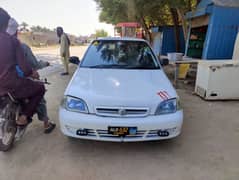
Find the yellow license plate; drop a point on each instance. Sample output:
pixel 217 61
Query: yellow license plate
pixel 122 131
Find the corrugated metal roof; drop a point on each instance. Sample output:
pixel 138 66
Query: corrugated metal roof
pixel 203 7
pixel 227 3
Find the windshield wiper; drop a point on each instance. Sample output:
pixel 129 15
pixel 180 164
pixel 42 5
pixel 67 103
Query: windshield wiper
pixel 141 67
pixel 121 66
pixel 108 66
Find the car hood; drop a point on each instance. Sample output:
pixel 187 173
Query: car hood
pixel 120 88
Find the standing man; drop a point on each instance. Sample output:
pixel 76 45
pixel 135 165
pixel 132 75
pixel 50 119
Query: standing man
pixel 64 49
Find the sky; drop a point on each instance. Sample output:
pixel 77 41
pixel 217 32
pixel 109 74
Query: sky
pixel 78 17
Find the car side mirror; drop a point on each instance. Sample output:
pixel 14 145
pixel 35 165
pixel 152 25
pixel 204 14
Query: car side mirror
pixel 164 62
pixel 74 60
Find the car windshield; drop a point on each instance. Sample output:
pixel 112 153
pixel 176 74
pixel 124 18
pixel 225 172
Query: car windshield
pixel 120 55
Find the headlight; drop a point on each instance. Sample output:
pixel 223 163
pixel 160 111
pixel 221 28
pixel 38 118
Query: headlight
pixel 75 104
pixel 168 107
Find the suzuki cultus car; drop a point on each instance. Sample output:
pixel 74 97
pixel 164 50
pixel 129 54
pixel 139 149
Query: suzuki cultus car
pixel 120 93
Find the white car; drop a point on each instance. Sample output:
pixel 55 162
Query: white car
pixel 120 93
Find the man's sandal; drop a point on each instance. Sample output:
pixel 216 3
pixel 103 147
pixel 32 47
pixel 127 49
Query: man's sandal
pixel 50 128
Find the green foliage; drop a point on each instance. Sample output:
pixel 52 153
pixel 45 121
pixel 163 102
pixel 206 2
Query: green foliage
pixel 101 33
pixel 147 13
pixel 154 12
pixel 112 11
pixel 23 26
pixel 40 29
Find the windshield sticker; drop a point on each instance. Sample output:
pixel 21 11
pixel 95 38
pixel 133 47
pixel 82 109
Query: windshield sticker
pixel 164 95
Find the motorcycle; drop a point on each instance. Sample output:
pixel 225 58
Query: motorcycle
pixel 10 110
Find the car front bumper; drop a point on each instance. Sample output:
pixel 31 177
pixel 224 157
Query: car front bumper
pixel 97 126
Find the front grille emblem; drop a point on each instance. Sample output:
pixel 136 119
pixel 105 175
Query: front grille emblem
pixel 122 112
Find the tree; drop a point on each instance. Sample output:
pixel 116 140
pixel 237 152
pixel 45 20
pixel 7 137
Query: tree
pixel 148 13
pixel 166 12
pixel 23 26
pixel 40 29
pixel 178 10
pixel 101 33
pixel 112 11
pixel 115 11
pixel 151 13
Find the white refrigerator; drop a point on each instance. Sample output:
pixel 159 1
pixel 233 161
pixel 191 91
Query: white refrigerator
pixel 218 80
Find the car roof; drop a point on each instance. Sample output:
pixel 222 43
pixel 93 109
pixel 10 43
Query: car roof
pixel 121 39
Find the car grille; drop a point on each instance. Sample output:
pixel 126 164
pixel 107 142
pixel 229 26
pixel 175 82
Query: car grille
pixel 104 134
pixel 139 134
pixel 122 112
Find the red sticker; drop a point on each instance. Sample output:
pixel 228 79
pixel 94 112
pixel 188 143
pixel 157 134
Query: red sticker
pixel 164 95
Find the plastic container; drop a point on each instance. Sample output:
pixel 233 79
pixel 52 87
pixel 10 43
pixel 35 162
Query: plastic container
pixel 175 56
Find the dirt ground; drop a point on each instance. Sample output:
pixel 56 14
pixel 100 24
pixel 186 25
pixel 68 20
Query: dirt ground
pixel 207 149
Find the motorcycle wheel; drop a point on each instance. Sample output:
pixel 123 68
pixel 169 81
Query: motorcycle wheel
pixel 7 140
pixel 9 130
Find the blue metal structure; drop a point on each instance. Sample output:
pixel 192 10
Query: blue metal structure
pixel 222 27
pixel 167 42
